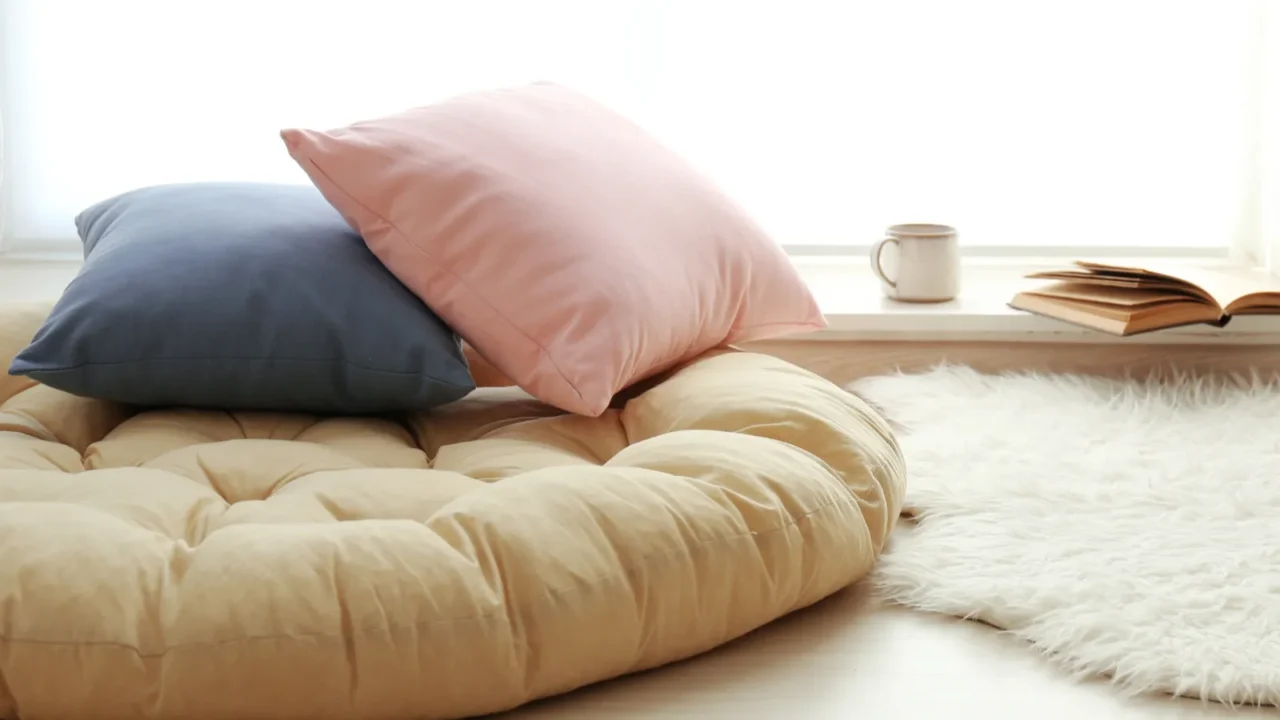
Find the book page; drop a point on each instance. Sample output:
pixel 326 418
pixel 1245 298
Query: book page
pixel 1224 286
pixel 1128 297
pixel 1145 283
pixel 1128 271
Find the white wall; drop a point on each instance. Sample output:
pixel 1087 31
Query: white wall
pixel 27 281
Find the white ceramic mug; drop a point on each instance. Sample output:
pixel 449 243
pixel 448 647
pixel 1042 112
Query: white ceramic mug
pixel 928 263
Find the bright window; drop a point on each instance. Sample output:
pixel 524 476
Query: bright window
pixel 1030 125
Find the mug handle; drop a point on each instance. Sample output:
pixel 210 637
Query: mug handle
pixel 875 260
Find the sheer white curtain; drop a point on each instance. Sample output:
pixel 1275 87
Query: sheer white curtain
pixel 1098 123
pixel 1266 215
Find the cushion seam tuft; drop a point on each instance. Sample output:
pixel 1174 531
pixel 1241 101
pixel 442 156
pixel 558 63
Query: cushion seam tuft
pixel 503 610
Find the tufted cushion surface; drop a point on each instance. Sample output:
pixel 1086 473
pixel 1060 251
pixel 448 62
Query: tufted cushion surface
pixel 197 564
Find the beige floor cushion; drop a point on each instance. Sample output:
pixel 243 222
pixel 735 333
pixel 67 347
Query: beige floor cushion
pixel 197 564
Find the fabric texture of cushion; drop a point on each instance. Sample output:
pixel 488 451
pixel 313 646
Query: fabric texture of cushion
pixel 206 565
pixel 568 246
pixel 240 296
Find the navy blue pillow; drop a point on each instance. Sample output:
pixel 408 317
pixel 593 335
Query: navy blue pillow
pixel 240 296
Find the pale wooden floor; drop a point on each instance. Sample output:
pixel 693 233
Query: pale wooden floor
pixel 851 657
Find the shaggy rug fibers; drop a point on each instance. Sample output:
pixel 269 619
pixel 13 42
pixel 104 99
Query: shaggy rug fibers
pixel 1124 529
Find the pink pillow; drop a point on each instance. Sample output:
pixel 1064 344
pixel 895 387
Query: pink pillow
pixel 570 248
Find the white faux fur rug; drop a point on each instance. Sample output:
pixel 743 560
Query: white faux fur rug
pixel 1125 529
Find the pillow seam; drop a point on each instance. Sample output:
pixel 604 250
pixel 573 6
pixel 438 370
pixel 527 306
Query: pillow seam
pixel 356 366
pixel 764 326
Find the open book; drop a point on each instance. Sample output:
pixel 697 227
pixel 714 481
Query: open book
pixel 1131 300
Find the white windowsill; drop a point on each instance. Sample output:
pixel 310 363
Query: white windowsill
pixel 850 296
pixel 856 309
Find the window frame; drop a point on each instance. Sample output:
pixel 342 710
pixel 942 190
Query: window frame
pixel 1255 244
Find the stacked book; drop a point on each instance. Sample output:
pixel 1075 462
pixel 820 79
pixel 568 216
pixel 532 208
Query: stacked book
pixel 1130 300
